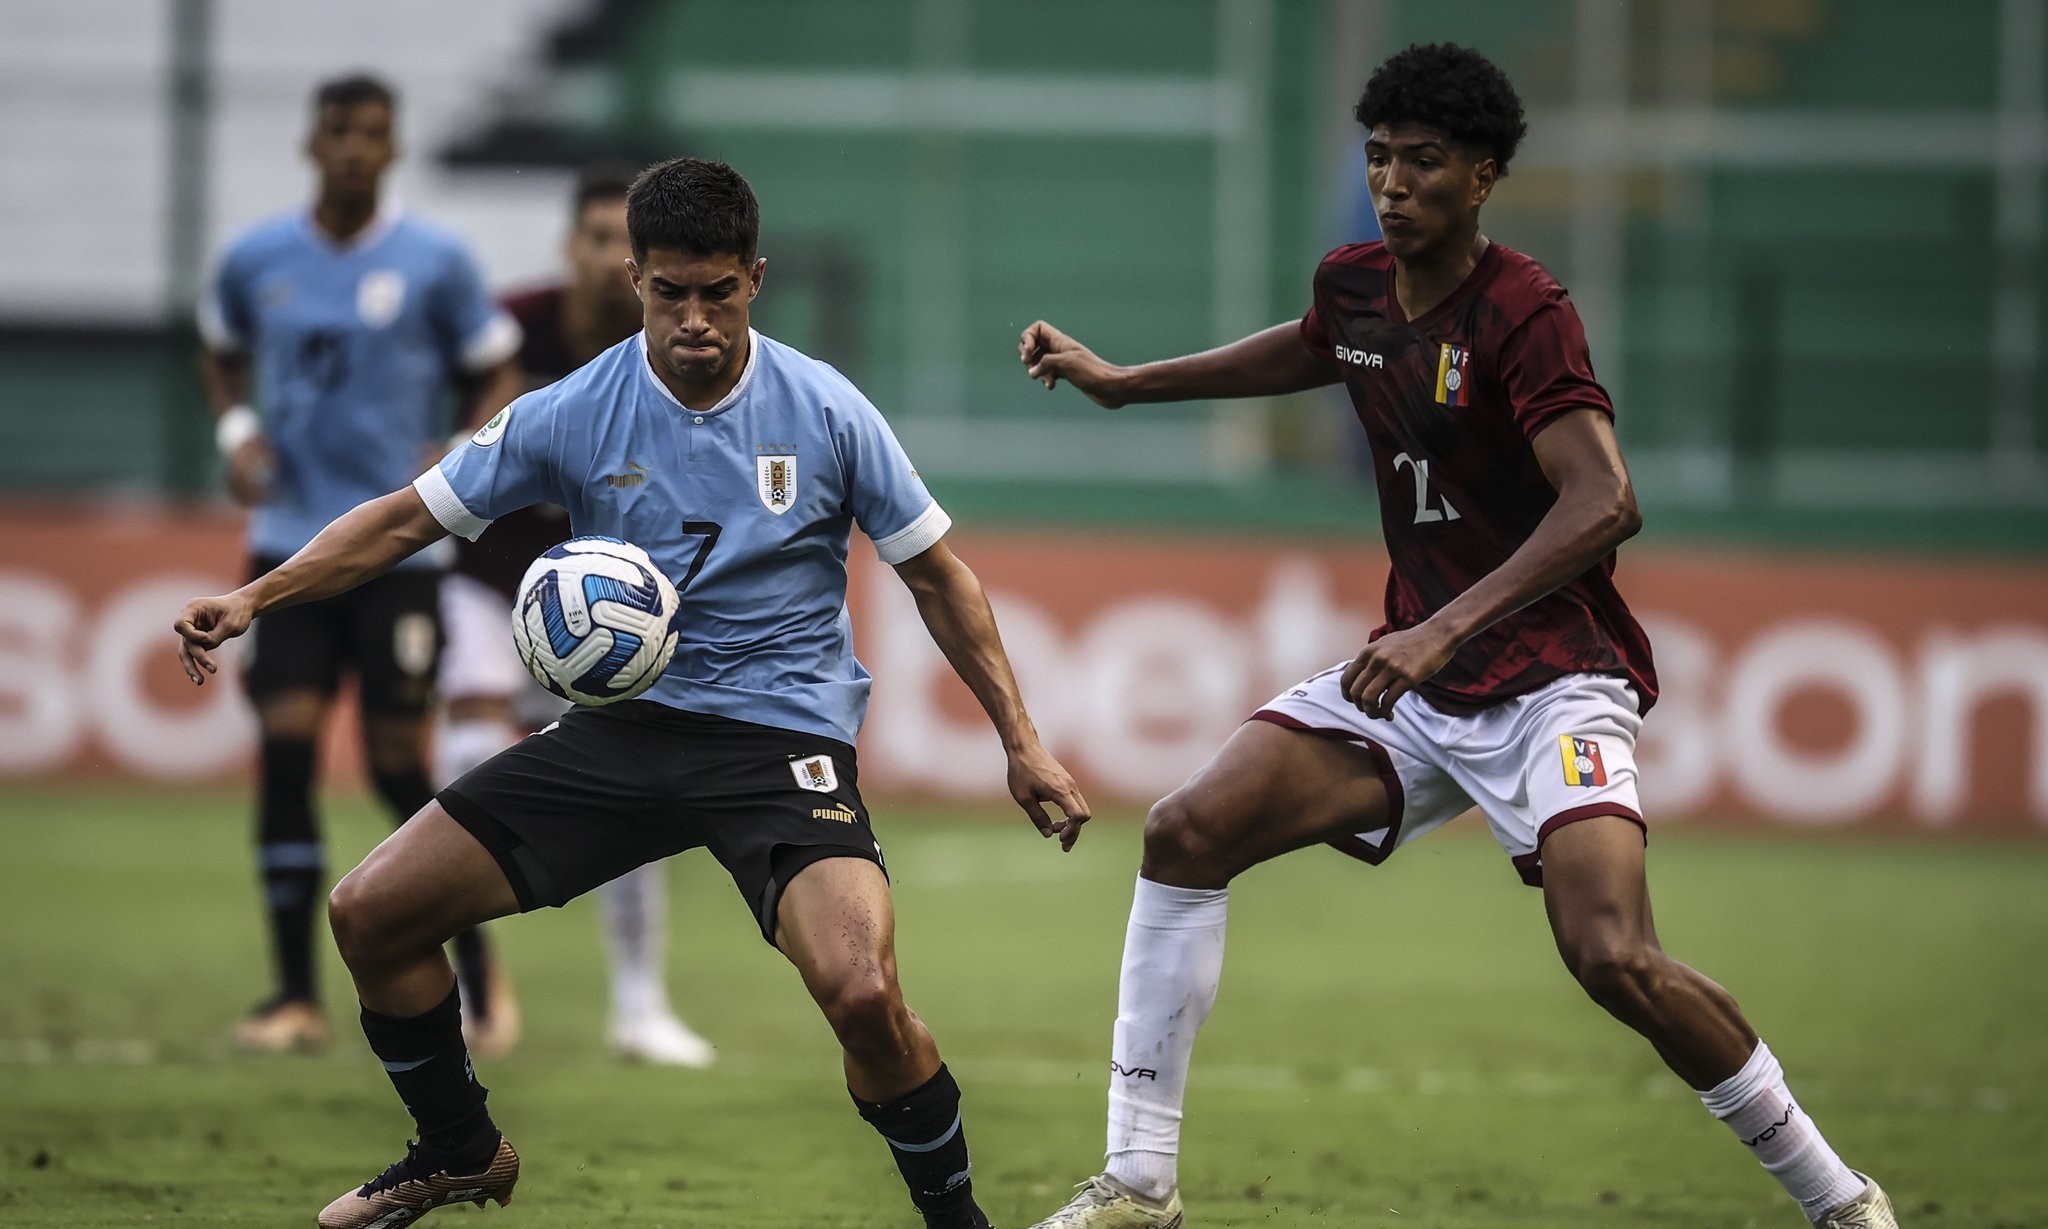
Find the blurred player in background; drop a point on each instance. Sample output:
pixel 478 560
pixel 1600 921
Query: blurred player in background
pixel 335 339
pixel 490 702
pixel 1510 674
pixel 745 466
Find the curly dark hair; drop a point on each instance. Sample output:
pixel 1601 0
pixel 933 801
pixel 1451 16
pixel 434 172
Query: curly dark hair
pixel 1450 88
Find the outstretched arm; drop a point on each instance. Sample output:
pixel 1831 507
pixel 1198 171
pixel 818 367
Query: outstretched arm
pixel 955 610
pixel 1266 364
pixel 1594 513
pixel 363 542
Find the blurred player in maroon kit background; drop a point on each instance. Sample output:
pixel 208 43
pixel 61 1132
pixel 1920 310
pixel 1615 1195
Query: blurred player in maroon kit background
pixel 489 700
pixel 1510 674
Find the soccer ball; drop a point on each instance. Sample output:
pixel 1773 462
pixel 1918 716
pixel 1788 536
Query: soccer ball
pixel 597 622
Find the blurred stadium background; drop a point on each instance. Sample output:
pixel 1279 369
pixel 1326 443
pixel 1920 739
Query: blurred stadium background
pixel 1806 237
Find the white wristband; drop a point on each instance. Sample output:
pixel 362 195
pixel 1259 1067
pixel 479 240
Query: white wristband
pixel 236 427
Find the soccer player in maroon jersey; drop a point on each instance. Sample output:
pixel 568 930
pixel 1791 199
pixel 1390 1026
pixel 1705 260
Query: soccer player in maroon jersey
pixel 1509 674
pixel 489 702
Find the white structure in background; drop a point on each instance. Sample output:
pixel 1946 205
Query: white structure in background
pixel 84 86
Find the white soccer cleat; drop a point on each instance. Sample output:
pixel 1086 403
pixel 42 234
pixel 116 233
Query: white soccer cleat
pixel 1105 1203
pixel 661 1039
pixel 1870 1210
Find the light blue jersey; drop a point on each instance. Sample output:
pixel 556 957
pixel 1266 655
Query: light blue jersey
pixel 354 347
pixel 747 506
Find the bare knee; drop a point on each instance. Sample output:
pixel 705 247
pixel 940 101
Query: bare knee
pixel 1186 847
pixel 352 917
pixel 368 931
pixel 1627 975
pixel 869 1016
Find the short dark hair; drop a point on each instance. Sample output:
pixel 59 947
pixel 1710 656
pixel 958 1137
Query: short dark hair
pixel 603 182
pixel 349 90
pixel 693 205
pixel 1450 88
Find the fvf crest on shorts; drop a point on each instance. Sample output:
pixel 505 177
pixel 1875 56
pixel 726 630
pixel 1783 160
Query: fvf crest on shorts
pixel 1532 764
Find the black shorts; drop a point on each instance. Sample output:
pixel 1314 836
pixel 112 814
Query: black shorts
pixel 388 630
pixel 605 790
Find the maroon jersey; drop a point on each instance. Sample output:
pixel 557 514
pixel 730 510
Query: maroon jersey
pixel 1450 402
pixel 500 557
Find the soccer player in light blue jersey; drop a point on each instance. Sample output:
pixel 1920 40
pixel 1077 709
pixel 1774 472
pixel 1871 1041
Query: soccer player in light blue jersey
pixel 359 326
pixel 488 700
pixel 742 467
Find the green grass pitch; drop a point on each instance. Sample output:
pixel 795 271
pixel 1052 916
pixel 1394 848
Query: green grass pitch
pixel 1393 1047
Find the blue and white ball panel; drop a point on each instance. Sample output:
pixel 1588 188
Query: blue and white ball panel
pixel 597 622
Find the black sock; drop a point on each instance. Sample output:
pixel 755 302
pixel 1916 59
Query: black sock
pixel 290 859
pixel 429 1066
pixel 924 1133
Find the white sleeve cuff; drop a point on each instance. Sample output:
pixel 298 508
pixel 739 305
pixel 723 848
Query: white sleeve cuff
pixel 497 341
pixel 447 506
pixel 214 330
pixel 915 538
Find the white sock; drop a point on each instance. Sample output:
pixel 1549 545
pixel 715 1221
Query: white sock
pixel 461 745
pixel 1173 961
pixel 635 911
pixel 1757 1106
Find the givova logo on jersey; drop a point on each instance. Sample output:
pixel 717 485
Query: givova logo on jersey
pixel 1582 764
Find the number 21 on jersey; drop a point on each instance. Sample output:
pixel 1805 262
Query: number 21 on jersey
pixel 1424 514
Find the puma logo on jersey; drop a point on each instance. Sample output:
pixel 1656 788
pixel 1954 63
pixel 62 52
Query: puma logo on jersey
pixel 637 474
pixel 1361 358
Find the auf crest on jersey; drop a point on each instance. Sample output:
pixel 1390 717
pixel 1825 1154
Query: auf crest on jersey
pixel 815 774
pixel 775 478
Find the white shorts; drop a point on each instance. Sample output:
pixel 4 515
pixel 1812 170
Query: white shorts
pixel 1561 753
pixel 479 660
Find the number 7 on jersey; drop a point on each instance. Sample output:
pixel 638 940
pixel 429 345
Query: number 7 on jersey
pixel 709 531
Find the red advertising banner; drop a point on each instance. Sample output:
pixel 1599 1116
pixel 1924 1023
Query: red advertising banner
pixel 1809 690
